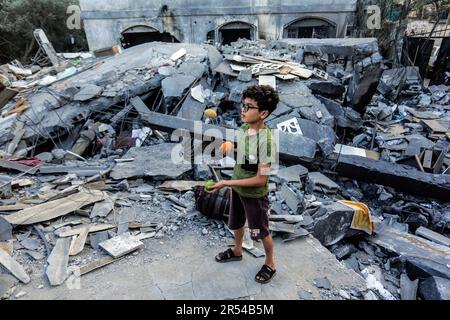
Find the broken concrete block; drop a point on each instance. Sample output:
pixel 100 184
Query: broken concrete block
pixel 328 89
pixel 322 283
pixel 57 270
pixel 435 288
pixel 423 258
pixel 5 230
pixel 121 245
pixel 344 251
pixel 281 109
pixel 88 92
pixel 245 75
pixel 324 136
pixel 147 162
pixel 98 237
pixel 13 266
pixel 174 86
pixel 191 109
pixel 433 236
pixel 45 156
pixel 317 182
pixel 305 295
pixel 421 268
pixel 401 177
pixel 292 173
pixel 332 223
pixel 352 263
pixel 291 198
pixel 195 69
pixel 30 244
pixel 7 282
pixel 408 288
pixel 103 208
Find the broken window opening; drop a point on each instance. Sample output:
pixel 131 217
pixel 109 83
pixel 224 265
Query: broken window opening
pixel 234 31
pixel 142 34
pixel 310 28
pixel 210 37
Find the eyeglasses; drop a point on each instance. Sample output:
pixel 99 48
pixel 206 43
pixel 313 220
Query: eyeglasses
pixel 246 107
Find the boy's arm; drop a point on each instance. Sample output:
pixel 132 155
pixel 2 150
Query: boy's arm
pixel 259 180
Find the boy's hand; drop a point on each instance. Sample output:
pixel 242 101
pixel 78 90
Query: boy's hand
pixel 219 185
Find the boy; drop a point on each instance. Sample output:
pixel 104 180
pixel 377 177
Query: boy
pixel 249 183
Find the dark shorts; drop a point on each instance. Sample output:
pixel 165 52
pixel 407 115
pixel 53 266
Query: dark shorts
pixel 255 210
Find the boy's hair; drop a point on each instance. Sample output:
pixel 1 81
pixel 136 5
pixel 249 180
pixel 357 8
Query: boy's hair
pixel 266 97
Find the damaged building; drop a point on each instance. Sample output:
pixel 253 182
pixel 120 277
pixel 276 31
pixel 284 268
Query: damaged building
pixel 359 203
pixel 109 23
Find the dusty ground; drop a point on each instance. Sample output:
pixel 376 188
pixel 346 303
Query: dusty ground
pixel 183 267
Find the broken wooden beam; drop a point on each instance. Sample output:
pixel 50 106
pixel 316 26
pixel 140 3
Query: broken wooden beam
pixel 92 228
pixel 291 147
pixel 401 177
pixel 78 242
pixel 94 265
pixel 57 208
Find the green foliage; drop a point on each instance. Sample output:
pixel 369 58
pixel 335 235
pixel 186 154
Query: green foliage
pixel 19 18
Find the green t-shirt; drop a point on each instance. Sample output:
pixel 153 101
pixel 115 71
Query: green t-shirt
pixel 253 149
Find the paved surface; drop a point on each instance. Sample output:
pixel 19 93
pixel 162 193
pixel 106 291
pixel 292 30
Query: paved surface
pixel 168 269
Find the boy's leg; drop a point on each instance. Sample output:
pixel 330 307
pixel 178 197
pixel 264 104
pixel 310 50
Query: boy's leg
pixel 236 223
pixel 268 248
pixel 238 240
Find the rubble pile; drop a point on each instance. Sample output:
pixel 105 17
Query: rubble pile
pixel 85 151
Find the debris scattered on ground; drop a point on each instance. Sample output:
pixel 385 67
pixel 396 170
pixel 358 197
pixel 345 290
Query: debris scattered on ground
pixel 86 158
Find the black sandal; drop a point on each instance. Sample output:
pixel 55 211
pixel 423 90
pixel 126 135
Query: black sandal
pixel 227 256
pixel 266 272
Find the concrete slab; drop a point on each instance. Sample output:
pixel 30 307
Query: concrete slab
pixel 168 270
pixel 147 162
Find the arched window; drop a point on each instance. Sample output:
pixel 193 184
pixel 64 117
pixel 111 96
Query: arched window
pixel 232 31
pixel 310 28
pixel 139 34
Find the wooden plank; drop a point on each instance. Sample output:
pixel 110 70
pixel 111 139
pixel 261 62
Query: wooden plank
pixel 78 242
pixel 92 228
pixel 121 245
pixel 57 208
pixel 13 207
pixel 416 157
pixel 91 266
pixel 427 159
pixel 435 126
pixel 57 270
pixel 13 267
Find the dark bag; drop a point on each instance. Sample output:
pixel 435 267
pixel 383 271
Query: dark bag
pixel 213 205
